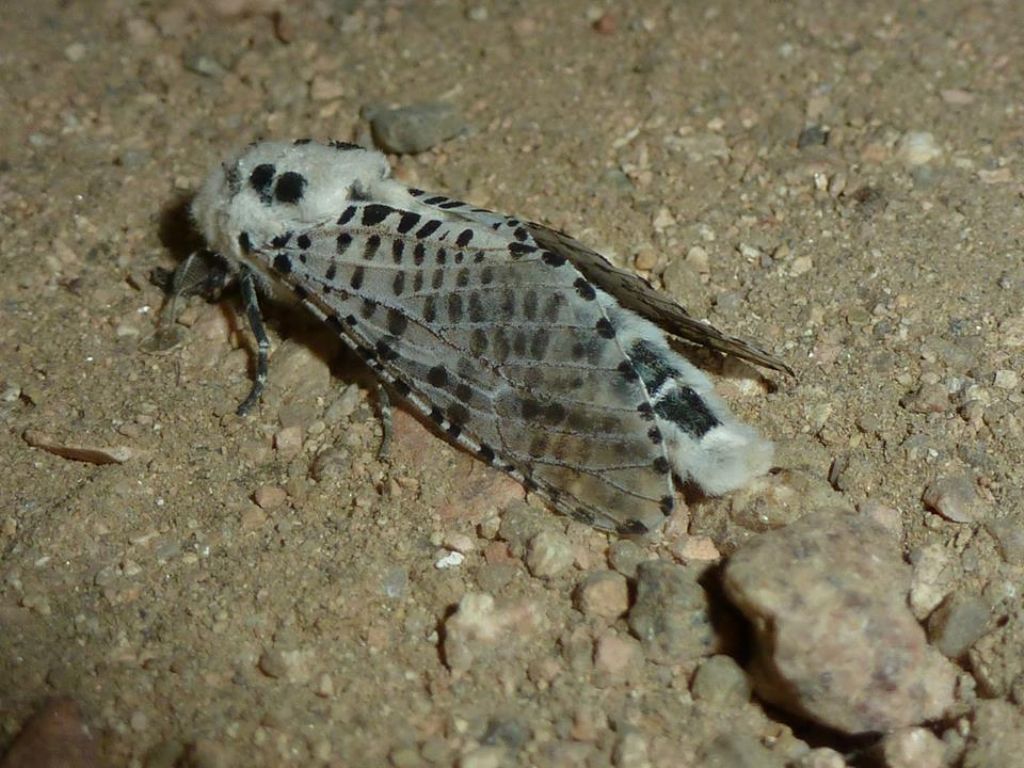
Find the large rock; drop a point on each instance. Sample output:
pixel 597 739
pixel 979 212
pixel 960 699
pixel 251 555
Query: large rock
pixel 835 640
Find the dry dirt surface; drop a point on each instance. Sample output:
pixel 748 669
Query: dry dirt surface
pixel 842 182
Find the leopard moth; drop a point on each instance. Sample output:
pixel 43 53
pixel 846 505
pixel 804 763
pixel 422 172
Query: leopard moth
pixel 520 344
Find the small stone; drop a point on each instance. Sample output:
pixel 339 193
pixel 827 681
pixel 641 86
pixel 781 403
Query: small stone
pixel 625 555
pixel 298 373
pixel 141 31
pixel 492 756
pixel 929 398
pixel 933 578
pixel 290 665
pixel 479 629
pixel 404 757
pixel 913 748
pixel 54 736
pixel 886 516
pixel 270 497
pixel 737 749
pixel 138 721
pixel 822 757
pixel 519 524
pixel 918 148
pixel 698 260
pixel 646 259
pixel 996 660
pixel 702 147
pixel 90 454
pixel 696 549
pixel 606 24
pixel 1006 379
pixel 324 686
pixel 1009 536
pixel 801 265
pixel 615 655
pixel 271 664
pixel 957 97
pixel 207 753
pixel 449 560
pixel 288 441
pixel 1002 175
pixel 670 616
pixel 631 751
pixel 548 554
pixel 604 594
pixel 955 498
pixel 75 52
pixel 812 136
pixel 997 736
pixel 721 682
pixel 325 89
pixel 415 128
pixel 958 623
pixel 459 542
pixel 663 219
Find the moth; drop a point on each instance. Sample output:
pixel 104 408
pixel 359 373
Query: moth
pixel 519 343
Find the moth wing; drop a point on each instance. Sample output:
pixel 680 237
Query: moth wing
pixel 503 355
pixel 637 294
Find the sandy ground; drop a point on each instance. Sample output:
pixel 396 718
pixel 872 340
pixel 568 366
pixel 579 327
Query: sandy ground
pixel 841 182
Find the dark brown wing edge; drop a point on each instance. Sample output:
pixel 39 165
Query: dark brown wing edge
pixel 635 293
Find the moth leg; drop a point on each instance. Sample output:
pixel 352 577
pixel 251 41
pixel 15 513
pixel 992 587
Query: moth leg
pixel 202 272
pixel 247 283
pixel 384 404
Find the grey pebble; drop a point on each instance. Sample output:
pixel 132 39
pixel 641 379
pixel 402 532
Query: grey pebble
pixel 958 623
pixel 414 128
pixel 955 498
pixel 812 136
pixel 929 398
pixel 204 65
pixel 721 682
pixel 997 736
pixel 670 616
pixel 624 556
pixel 1009 535
pixel 738 750
pixel 519 523
pixel 548 554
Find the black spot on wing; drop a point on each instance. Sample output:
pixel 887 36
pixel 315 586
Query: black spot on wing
pixel 651 364
pixel 408 220
pixel 282 263
pixel 685 408
pixel 375 213
pixel 584 289
pixel 346 216
pixel 428 229
pixel 437 376
pixel 631 528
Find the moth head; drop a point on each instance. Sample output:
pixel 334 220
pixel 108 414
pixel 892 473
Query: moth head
pixel 271 187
